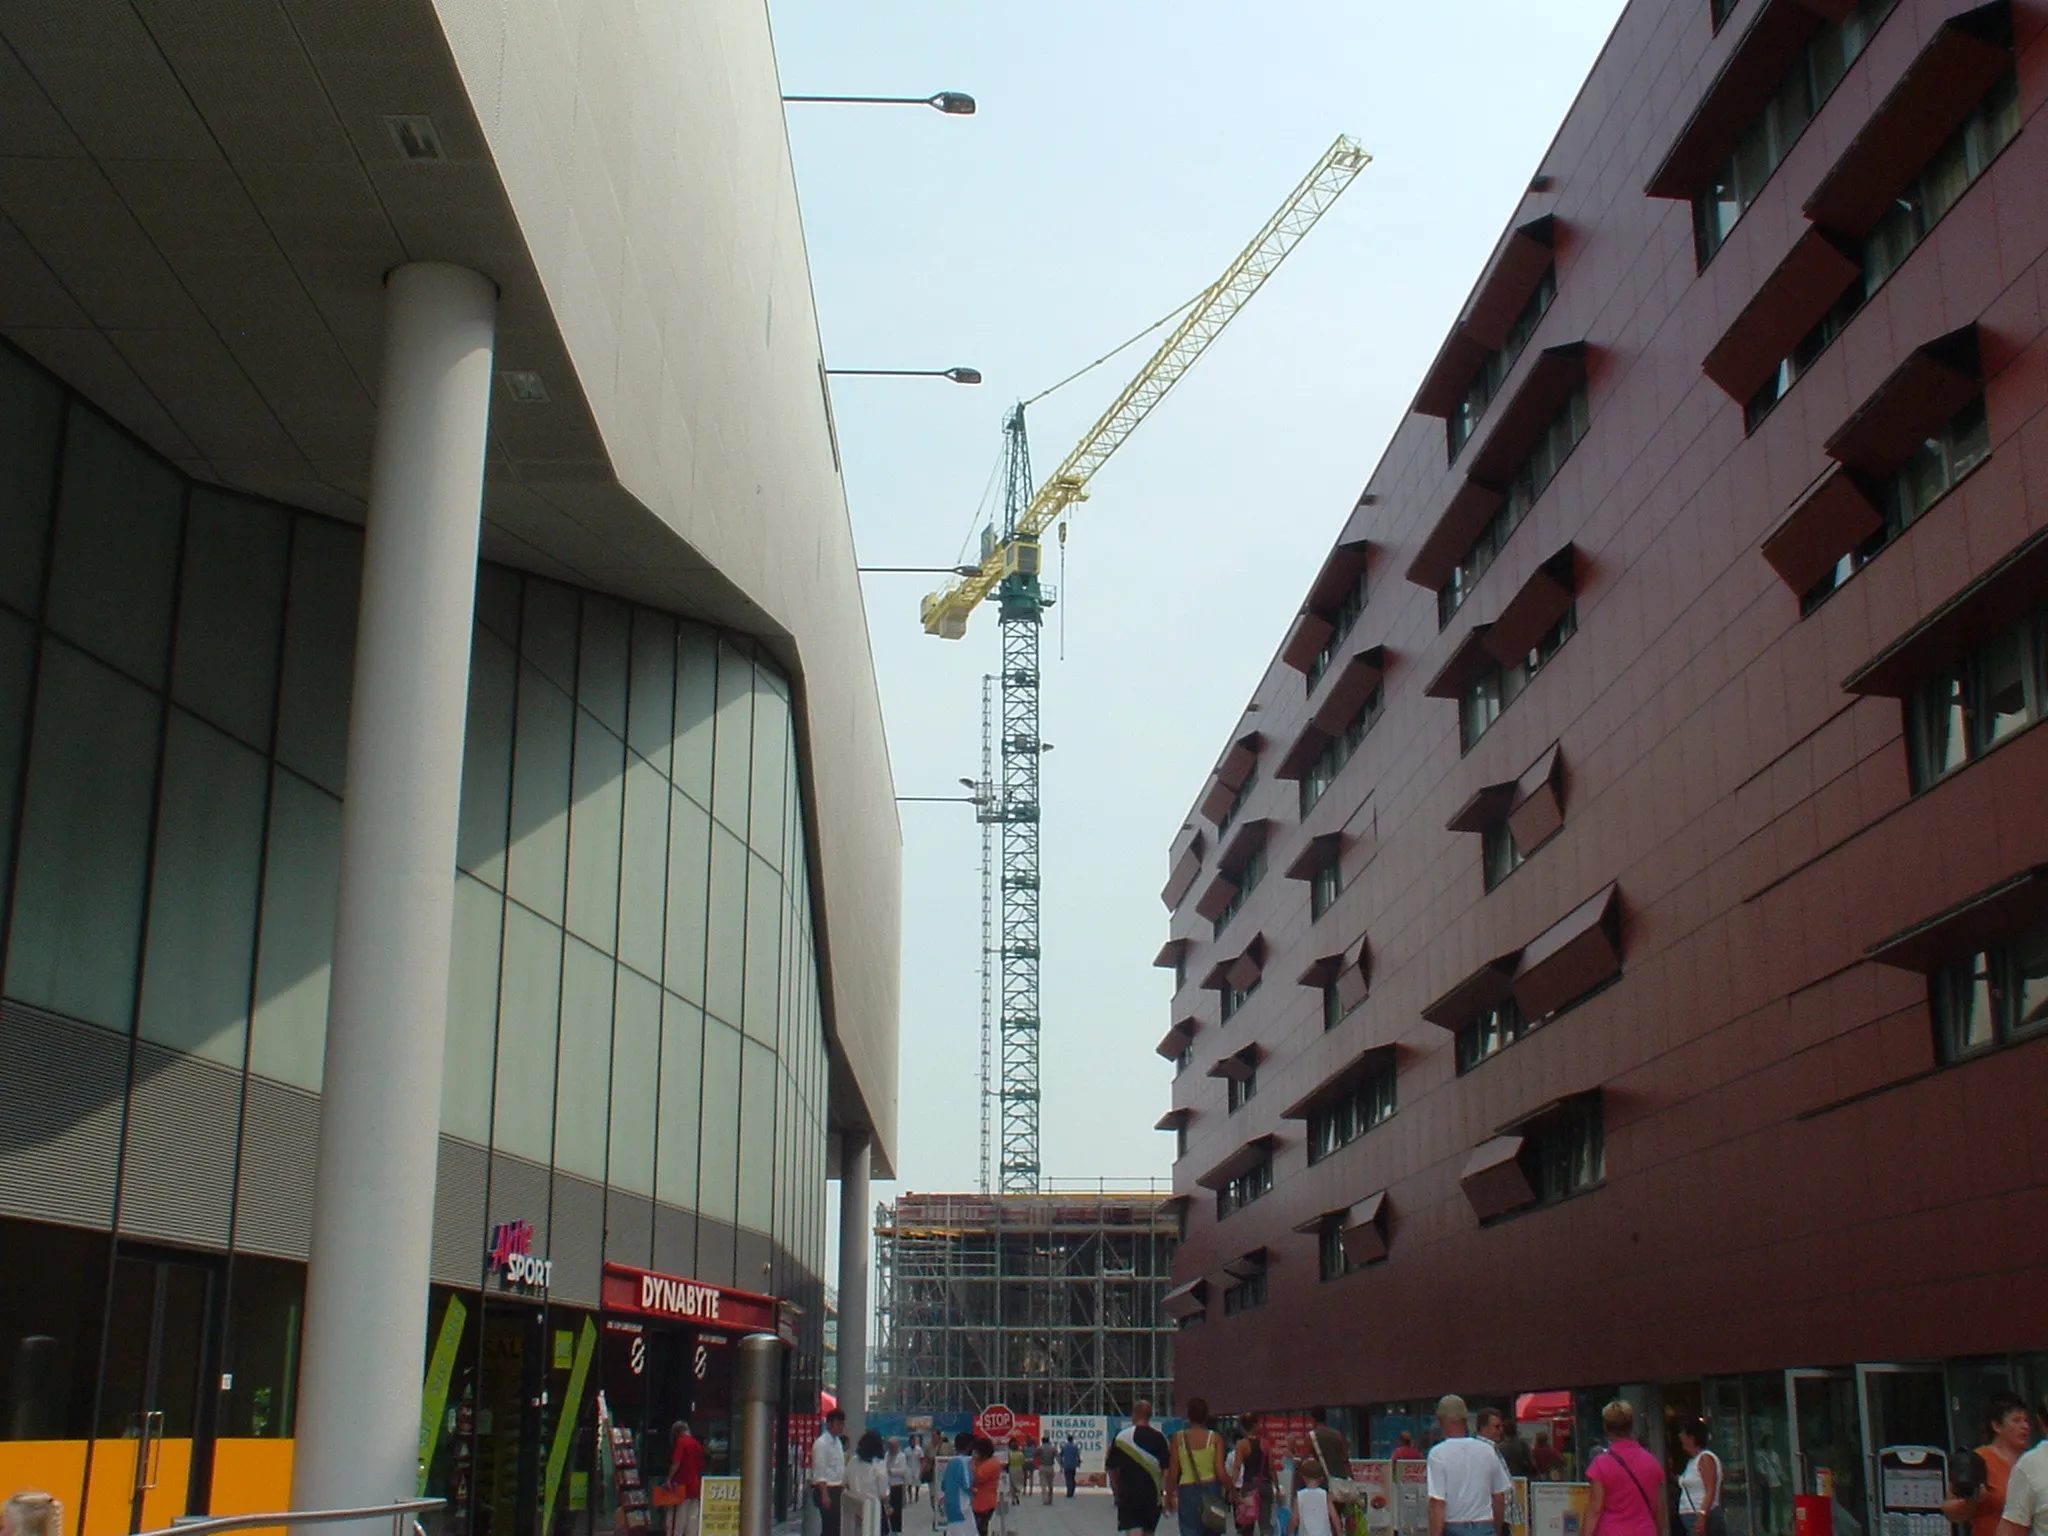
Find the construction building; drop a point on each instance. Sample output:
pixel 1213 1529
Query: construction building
pixel 1048 1303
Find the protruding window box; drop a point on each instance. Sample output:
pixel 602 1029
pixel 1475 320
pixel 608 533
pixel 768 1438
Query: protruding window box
pixel 1464 517
pixel 1993 602
pixel 1475 994
pixel 1172 954
pixel 1186 1300
pixel 1532 611
pixel 1348 691
pixel 1472 657
pixel 1831 517
pixel 1570 958
pixel 1537 809
pixel 1306 638
pixel 1349 971
pixel 1493 1178
pixel 1240 1065
pixel 1175 1042
pixel 1219 894
pixel 1173 1119
pixel 1317 854
pixel 1489 315
pixel 1977 923
pixel 1182 878
pixel 1514 427
pixel 1242 1161
pixel 1360 1229
pixel 1230 775
pixel 1922 393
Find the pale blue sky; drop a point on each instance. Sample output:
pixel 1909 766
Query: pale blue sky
pixel 1122 155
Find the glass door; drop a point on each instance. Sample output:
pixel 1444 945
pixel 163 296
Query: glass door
pixel 1828 1453
pixel 1905 1412
pixel 149 1419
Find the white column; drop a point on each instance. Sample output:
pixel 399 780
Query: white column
pixel 373 1200
pixel 856 1229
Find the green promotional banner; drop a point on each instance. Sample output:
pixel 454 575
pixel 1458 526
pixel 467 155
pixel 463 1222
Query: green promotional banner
pixel 567 1415
pixel 440 1373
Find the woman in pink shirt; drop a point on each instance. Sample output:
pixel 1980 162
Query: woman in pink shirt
pixel 1628 1482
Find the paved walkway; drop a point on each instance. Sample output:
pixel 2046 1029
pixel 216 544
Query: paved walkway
pixel 1088 1513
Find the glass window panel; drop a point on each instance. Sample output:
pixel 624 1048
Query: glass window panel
pixel 17 670
pixel 524 1106
pixel 472 1011
pixel 718 1188
pixel 757 1138
pixel 601 674
pixel 682 1066
pixel 651 710
pixel 547 632
pixel 644 849
pixel 540 793
pixel 2001 679
pixel 31 414
pixel 768 816
pixel 1940 740
pixel 2028 984
pixel 487 759
pixel 594 833
pixel 583 1070
pixel 636 1083
pixel 499 594
pixel 696 710
pixel 319 651
pixel 201 954
pixel 114 558
pixel 84 853
pixel 230 613
pixel 295 950
pixel 764 951
pixel 733 770
pixel 727 934
pixel 689 873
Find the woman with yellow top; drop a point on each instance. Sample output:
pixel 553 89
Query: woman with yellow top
pixel 1194 1475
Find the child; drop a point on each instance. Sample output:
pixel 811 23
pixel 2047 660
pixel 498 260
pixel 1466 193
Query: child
pixel 1312 1501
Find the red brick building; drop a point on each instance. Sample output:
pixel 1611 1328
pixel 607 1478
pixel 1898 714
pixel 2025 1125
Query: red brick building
pixel 1613 950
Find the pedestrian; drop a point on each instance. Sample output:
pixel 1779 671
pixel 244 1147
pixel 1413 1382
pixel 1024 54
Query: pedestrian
pixel 686 1480
pixel 828 1472
pixel 1136 1470
pixel 955 1492
pixel 1018 1470
pixel 1545 1458
pixel 1404 1448
pixel 988 1482
pixel 1979 1501
pixel 1468 1482
pixel 1628 1482
pixel 1514 1450
pixel 1070 1462
pixel 1328 1446
pixel 1312 1501
pixel 898 1472
pixel 1699 1485
pixel 1194 1475
pixel 913 1461
pixel 32 1514
pixel 867 1485
pixel 1249 1477
pixel 1047 1455
pixel 1288 1482
pixel 2026 1497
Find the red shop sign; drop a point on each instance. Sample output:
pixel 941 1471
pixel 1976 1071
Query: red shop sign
pixel 642 1293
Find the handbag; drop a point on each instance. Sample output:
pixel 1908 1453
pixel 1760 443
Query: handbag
pixel 667 1495
pixel 1215 1518
pixel 1343 1491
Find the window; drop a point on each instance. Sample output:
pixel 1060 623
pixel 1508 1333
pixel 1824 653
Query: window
pixel 1495 688
pixel 1494 368
pixel 1322 773
pixel 1334 1011
pixel 1366 1103
pixel 1722 10
pixel 1180 969
pixel 1568 1155
pixel 1246 880
pixel 1247 1293
pixel 1180 1145
pixel 1809 81
pixel 1324 887
pixel 1524 486
pixel 1331 1263
pixel 1242 1090
pixel 1245 1188
pixel 1186 1057
pixel 1960 446
pixel 1235 998
pixel 1500 854
pixel 1492 1032
pixel 1192 1321
pixel 1340 626
pixel 1940 185
pixel 1239 800
pixel 1994 692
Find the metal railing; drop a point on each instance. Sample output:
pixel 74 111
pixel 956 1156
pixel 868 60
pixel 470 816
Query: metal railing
pixel 403 1515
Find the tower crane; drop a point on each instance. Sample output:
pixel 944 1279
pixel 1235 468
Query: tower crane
pixel 1010 574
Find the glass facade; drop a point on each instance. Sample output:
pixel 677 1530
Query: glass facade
pixel 636 1060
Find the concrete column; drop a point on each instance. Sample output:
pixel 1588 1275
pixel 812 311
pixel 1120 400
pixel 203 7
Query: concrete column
pixel 757 1388
pixel 856 1230
pixel 373 1194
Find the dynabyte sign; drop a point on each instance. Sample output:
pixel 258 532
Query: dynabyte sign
pixel 511 1256
pixel 643 1293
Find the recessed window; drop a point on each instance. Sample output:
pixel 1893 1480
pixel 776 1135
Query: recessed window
pixel 1341 621
pixel 1500 854
pixel 1241 1191
pixel 1234 998
pixel 1239 800
pixel 1248 1293
pixel 1721 11
pixel 1492 1032
pixel 1567 1155
pixel 1805 85
pixel 1524 486
pixel 1247 880
pixel 1966 155
pixel 1498 686
pixel 1494 368
pixel 1242 1090
pixel 1331 1261
pixel 1937 464
pixel 1322 773
pixel 1184 1060
pixel 1324 887
pixel 1192 1321
pixel 1180 1143
pixel 1369 1102
pixel 1994 692
pixel 1334 1011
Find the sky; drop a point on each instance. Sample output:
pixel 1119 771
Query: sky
pixel 1123 152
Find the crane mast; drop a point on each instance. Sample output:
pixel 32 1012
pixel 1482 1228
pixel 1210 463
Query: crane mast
pixel 1010 574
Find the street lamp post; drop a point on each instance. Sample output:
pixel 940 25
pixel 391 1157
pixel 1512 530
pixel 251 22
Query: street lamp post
pixel 952 103
pixel 957 375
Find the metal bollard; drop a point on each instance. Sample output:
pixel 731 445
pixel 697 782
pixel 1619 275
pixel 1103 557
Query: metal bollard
pixel 757 1386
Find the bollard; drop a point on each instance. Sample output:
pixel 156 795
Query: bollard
pixel 757 1386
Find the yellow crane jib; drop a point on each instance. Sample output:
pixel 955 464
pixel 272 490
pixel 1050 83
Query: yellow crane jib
pixel 945 612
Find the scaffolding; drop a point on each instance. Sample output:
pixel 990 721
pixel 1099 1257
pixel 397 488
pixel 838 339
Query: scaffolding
pixel 1046 1302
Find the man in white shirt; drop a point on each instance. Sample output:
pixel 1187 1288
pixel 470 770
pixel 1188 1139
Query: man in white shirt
pixel 2026 1491
pixel 828 1472
pixel 1468 1483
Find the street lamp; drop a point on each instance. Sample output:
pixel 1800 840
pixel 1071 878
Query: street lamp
pixel 957 375
pixel 952 103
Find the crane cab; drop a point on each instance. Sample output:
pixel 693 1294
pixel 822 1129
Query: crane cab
pixel 1022 556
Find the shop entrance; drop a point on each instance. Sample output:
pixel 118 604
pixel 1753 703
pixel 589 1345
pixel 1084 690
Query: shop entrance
pixel 152 1438
pixel 1828 1450
pixel 510 1393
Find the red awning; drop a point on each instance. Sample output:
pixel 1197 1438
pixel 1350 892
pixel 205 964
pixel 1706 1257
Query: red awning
pixel 1985 606
pixel 1241 1065
pixel 1305 641
pixel 1923 392
pixel 1182 877
pixel 1970 926
pixel 1831 517
pixel 1475 994
pixel 1216 896
pixel 1787 304
pixel 1489 314
pixel 1463 665
pixel 1538 810
pixel 1316 855
pixel 1540 603
pixel 1493 1180
pixel 1543 1407
pixel 1243 1160
pixel 1349 689
pixel 1572 956
pixel 1513 427
pixel 1171 953
pixel 1445 545
pixel 1340 571
pixel 1300 757
pixel 1339 1082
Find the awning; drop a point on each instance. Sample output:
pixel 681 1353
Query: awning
pixel 1354 974
pixel 1923 392
pixel 1959 64
pixel 1340 1082
pixel 1444 546
pixel 1493 1180
pixel 1475 994
pixel 1182 877
pixel 1986 606
pixel 1173 1119
pixel 1243 1160
pixel 1340 571
pixel 1172 953
pixel 1787 304
pixel 1538 810
pixel 1217 799
pixel 1305 640
pixel 1572 956
pixel 1177 1039
pixel 1489 314
pixel 1971 926
pixel 1363 1230
pixel 1244 972
pixel 1513 427
pixel 1240 1065
pixel 1831 517
pixel 1349 689
pixel 1462 666
pixel 1239 761
pixel 1186 1300
pixel 1245 1265
pixel 1751 73
pixel 1300 757
pixel 1543 1407
pixel 1245 841
pixel 1316 855
pixel 1216 897
pixel 1485 806
pixel 1536 606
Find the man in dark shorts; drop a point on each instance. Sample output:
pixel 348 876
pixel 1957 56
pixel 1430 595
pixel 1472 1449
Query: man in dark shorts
pixel 1136 1465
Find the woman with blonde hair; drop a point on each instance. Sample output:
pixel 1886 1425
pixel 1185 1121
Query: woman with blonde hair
pixel 32 1514
pixel 1628 1482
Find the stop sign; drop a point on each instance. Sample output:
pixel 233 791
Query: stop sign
pixel 997 1422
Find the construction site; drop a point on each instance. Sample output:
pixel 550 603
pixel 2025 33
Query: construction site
pixel 1046 1302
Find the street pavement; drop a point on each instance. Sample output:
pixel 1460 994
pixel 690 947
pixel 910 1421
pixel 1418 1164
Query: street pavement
pixel 1088 1513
